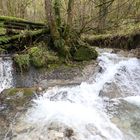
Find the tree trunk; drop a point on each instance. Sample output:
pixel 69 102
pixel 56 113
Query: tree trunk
pixel 103 10
pixel 58 41
pixel 51 20
pixel 4 7
pixel 70 12
pixel 57 12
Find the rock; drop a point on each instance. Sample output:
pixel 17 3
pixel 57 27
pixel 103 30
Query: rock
pixel 13 103
pixel 135 53
pixel 17 97
pixel 52 131
pixel 127 117
pixel 132 53
pixel 69 76
pixel 54 135
pixel 69 132
pixel 85 53
pixel 111 91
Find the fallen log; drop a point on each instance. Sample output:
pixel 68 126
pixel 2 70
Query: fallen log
pixel 20 40
pixel 22 26
pixel 19 24
pixel 19 20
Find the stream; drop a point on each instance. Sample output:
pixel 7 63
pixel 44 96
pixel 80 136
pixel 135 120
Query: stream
pixel 6 73
pixel 105 107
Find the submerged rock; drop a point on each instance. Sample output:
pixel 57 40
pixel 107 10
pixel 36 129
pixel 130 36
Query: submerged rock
pixel 127 117
pixel 53 131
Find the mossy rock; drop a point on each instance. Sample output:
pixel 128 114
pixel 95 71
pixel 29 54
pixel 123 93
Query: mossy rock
pixel 85 53
pixel 22 61
pixel 37 57
pixel 15 97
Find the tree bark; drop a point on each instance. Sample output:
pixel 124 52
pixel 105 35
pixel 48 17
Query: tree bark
pixel 50 16
pixel 70 12
pixel 103 11
pixel 4 7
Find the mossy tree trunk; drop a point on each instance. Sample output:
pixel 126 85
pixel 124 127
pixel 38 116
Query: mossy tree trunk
pixel 51 20
pixel 65 39
pixel 54 22
pixel 103 10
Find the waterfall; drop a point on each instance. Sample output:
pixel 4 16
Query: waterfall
pixel 6 73
pixel 81 108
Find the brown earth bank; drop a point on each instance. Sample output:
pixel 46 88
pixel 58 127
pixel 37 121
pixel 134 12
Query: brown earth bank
pixel 128 42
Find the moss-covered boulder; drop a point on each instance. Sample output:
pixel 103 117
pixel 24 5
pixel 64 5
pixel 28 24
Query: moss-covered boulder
pixel 22 61
pixel 85 53
pixel 17 97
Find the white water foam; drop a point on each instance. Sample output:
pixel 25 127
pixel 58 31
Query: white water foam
pixel 133 100
pixel 80 106
pixel 6 74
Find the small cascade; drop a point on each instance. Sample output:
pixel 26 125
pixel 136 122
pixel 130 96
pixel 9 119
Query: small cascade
pixel 6 73
pixel 80 112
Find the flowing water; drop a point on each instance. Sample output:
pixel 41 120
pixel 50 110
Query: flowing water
pixel 6 73
pixel 106 107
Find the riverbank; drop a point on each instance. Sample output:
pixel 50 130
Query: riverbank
pixel 125 37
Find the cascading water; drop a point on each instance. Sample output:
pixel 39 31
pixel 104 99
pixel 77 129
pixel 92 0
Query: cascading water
pixel 6 73
pixel 79 112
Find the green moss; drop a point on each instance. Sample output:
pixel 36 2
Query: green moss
pixel 25 91
pixel 123 30
pixel 7 39
pixel 62 49
pixel 37 57
pixel 16 97
pixel 19 20
pixel 85 53
pixel 2 30
pixel 8 18
pixel 22 61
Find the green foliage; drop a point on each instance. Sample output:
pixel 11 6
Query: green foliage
pixel 62 48
pixel 26 91
pixel 8 39
pixel 7 18
pixel 18 20
pixel 57 12
pixel 22 61
pixel 18 96
pixel 2 51
pixel 52 58
pixel 2 30
pixel 37 57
